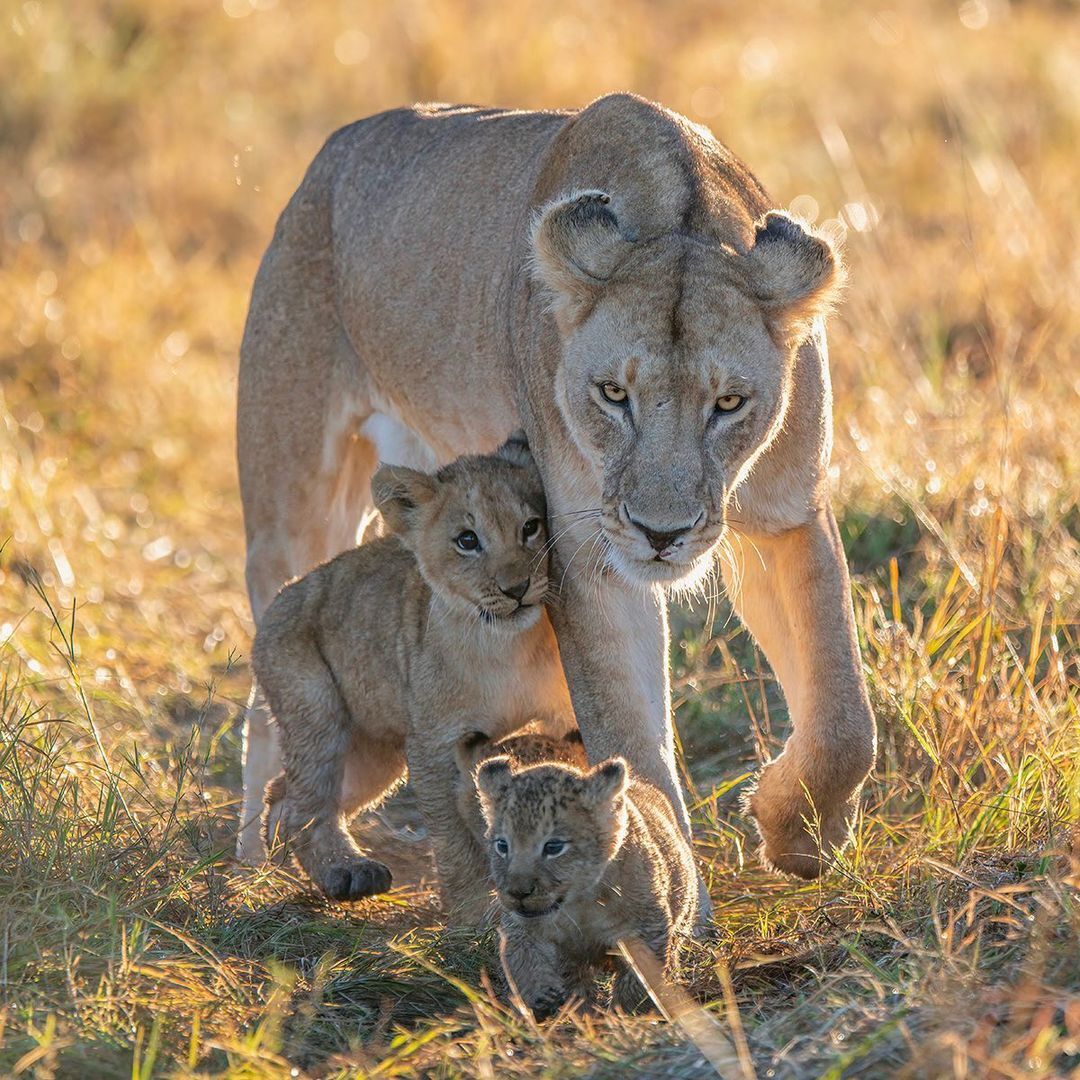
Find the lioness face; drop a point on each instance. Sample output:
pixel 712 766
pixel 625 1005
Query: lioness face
pixel 552 830
pixel 477 530
pixel 677 357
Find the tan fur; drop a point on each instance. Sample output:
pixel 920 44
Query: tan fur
pixel 381 659
pixel 450 273
pixel 627 872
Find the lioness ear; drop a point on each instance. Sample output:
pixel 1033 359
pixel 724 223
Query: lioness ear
pixel 516 450
pixel 493 781
pixel 577 244
pixel 397 493
pixel 606 782
pixel 794 273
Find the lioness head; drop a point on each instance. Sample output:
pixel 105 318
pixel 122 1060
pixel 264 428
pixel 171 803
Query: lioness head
pixel 552 828
pixel 477 530
pixel 677 361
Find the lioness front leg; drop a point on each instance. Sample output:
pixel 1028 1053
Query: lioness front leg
pixel 613 639
pixel 792 591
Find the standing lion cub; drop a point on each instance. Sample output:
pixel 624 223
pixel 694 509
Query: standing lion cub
pixel 583 859
pixel 380 660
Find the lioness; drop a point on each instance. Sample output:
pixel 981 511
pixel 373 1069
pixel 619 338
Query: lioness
pixel 617 282
pixel 386 655
pixel 583 860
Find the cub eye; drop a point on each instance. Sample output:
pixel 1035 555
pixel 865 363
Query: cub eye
pixel 730 403
pixel 530 528
pixel 554 847
pixel 467 541
pixel 502 848
pixel 614 393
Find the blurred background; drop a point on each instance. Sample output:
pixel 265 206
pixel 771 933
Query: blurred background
pixel 145 151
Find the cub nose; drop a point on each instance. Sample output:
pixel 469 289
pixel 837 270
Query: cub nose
pixel 515 592
pixel 521 892
pixel 661 537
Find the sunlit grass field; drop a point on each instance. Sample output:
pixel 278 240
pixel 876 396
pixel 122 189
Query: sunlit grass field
pixel 145 150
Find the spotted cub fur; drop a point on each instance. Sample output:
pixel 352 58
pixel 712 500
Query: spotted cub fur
pixel 581 859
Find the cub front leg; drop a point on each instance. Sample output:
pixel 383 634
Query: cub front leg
pixel 533 968
pixel 658 963
pixel 308 814
pixel 463 865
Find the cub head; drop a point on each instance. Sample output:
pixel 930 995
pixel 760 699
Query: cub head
pixel 552 830
pixel 677 358
pixel 527 747
pixel 477 530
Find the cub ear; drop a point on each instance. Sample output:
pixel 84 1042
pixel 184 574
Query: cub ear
pixel 577 245
pixel 493 780
pixel 606 782
pixel 794 272
pixel 397 493
pixel 573 737
pixel 516 450
pixel 469 749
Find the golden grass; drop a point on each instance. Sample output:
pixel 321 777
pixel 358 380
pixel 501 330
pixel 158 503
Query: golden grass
pixel 145 150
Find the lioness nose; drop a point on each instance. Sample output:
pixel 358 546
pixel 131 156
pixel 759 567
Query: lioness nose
pixel 521 892
pixel 515 592
pixel 663 537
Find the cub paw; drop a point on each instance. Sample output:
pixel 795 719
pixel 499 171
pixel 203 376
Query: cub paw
pixel 628 994
pixel 547 1002
pixel 356 880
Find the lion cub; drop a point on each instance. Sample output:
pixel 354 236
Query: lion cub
pixel 583 859
pixel 378 661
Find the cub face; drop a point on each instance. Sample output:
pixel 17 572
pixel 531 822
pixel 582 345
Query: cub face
pixel 477 529
pixel 552 830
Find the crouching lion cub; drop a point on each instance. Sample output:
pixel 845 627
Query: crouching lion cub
pixel 381 659
pixel 582 860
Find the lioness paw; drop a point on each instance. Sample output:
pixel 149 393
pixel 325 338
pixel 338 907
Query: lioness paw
pixel 356 880
pixel 798 839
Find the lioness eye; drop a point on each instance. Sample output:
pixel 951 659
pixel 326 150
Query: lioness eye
pixel 613 392
pixel 553 848
pixel 730 403
pixel 467 541
pixel 530 528
pixel 502 848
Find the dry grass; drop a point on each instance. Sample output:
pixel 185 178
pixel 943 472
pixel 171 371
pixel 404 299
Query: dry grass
pixel 144 151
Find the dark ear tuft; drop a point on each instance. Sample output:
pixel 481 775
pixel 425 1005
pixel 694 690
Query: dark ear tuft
pixel 397 493
pixel 516 450
pixel 468 750
pixel 793 272
pixel 607 781
pixel 577 245
pixel 493 780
